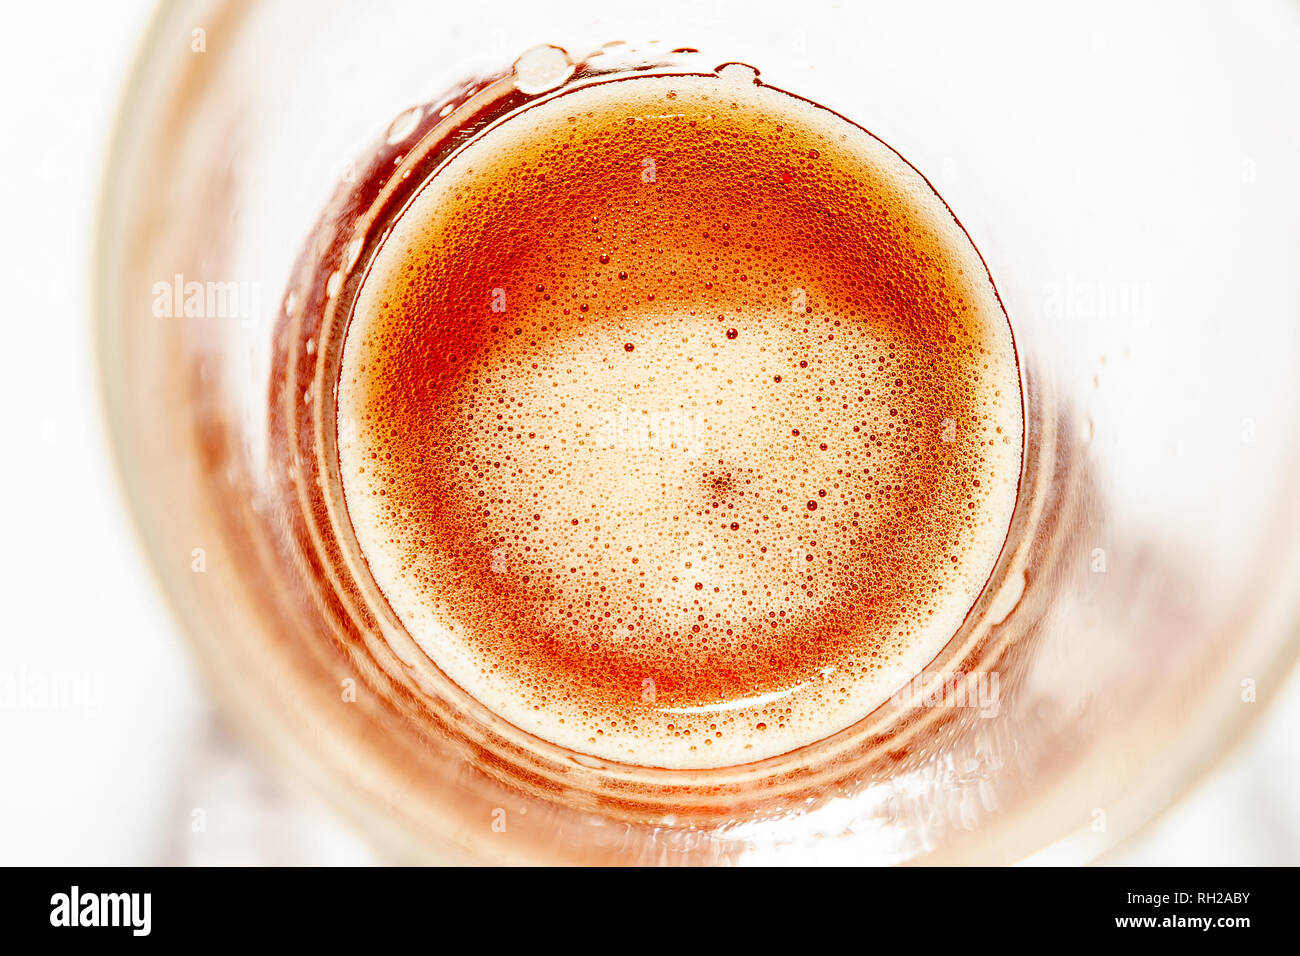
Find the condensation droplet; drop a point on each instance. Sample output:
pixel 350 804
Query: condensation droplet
pixel 1012 590
pixel 352 252
pixel 737 73
pixel 541 69
pixel 404 125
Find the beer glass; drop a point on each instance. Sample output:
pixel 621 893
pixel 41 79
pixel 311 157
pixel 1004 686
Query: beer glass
pixel 1129 186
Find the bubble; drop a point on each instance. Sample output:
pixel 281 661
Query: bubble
pixel 404 125
pixel 542 68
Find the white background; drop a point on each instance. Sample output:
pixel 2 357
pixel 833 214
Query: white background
pixel 118 781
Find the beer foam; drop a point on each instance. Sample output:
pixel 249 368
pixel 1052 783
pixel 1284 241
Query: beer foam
pixel 686 421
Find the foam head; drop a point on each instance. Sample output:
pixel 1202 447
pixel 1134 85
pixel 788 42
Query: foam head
pixel 688 421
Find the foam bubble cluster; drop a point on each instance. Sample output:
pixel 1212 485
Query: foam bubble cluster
pixel 688 422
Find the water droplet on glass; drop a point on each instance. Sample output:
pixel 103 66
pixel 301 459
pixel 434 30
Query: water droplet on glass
pixel 738 73
pixel 541 69
pixel 404 125
pixel 1007 598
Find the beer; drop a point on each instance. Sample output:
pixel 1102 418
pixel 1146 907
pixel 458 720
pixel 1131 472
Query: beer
pixel 680 422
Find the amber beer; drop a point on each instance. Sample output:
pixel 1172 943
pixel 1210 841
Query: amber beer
pixel 680 422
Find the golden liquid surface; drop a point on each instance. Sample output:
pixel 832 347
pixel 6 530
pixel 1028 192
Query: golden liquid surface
pixel 680 421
